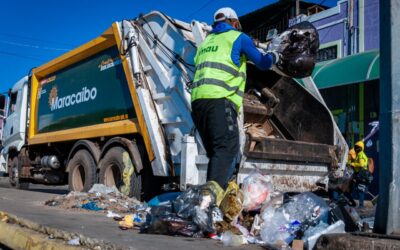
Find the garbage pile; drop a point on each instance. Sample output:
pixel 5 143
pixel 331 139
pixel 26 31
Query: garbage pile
pixel 252 214
pixel 99 198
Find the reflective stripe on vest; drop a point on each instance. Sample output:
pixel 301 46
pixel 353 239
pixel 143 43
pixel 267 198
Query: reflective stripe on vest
pixel 223 67
pixel 217 76
pixel 218 83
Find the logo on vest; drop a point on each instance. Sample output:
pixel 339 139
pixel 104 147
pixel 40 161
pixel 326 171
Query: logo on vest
pixel 209 49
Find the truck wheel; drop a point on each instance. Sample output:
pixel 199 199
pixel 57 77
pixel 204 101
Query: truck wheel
pixel 119 170
pixel 13 175
pixel 82 171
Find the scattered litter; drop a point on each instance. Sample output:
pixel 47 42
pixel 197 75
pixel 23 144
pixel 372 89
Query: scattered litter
pixel 99 198
pixel 111 214
pixel 232 240
pixel 127 222
pixel 74 242
pixel 103 189
pixel 91 206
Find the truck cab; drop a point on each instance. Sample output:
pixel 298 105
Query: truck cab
pixel 3 108
pixel 14 121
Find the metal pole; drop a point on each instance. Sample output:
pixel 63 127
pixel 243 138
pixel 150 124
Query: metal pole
pixel 297 7
pixel 387 218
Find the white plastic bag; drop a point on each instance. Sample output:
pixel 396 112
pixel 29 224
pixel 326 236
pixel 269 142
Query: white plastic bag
pixel 256 189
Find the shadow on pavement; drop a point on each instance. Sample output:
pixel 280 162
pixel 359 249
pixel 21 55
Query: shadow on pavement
pixel 4 183
pixel 49 190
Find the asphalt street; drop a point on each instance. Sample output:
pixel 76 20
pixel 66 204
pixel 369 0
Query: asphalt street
pixel 29 204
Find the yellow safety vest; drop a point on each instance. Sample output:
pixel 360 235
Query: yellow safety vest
pixel 361 162
pixel 217 76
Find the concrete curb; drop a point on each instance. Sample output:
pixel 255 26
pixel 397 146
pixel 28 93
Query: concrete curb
pixel 17 237
pixel 19 233
pixel 360 241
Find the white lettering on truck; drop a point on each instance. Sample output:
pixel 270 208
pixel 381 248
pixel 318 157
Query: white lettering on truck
pixel 84 95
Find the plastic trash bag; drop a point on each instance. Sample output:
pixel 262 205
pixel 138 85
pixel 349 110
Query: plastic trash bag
pixel 173 225
pixel 306 206
pixel 298 47
pixel 91 206
pixel 163 220
pixel 217 190
pixel 201 196
pixel 103 189
pixel 232 240
pixel 232 203
pixel 311 236
pixel 163 199
pixel 216 215
pixel 256 190
pixel 273 230
pixel 74 242
pixel 193 209
pixel 293 218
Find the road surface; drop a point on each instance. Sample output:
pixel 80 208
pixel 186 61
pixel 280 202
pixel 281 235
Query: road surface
pixel 28 204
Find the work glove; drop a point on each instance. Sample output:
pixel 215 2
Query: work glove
pixel 276 56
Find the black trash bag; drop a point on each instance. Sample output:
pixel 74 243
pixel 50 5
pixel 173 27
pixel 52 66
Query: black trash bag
pixel 162 220
pixel 173 225
pixel 192 214
pixel 298 47
pixel 197 204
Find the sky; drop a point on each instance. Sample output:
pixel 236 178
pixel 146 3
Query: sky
pixel 33 32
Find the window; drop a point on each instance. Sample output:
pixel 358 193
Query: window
pixel 314 10
pixel 326 54
pixel 3 100
pixel 13 102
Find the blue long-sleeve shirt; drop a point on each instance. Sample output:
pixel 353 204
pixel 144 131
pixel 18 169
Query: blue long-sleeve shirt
pixel 244 45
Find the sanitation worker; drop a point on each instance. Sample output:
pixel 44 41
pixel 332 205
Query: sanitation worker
pixel 218 89
pixel 362 176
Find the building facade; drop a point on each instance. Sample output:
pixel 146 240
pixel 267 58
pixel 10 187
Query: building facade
pixel 349 47
pixel 351 27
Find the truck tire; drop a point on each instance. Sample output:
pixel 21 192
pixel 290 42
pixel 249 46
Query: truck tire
pixel 82 171
pixel 113 168
pixel 13 175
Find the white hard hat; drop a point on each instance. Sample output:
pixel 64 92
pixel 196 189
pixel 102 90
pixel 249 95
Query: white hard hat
pixel 228 13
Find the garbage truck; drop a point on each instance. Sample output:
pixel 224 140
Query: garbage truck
pixel 117 111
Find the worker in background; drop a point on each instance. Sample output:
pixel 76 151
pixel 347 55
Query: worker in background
pixel 218 89
pixel 362 176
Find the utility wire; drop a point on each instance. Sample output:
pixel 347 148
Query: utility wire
pixel 22 56
pixel 31 46
pixel 34 39
pixel 199 9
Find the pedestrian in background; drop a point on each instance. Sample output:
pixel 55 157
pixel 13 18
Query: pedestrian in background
pixel 362 177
